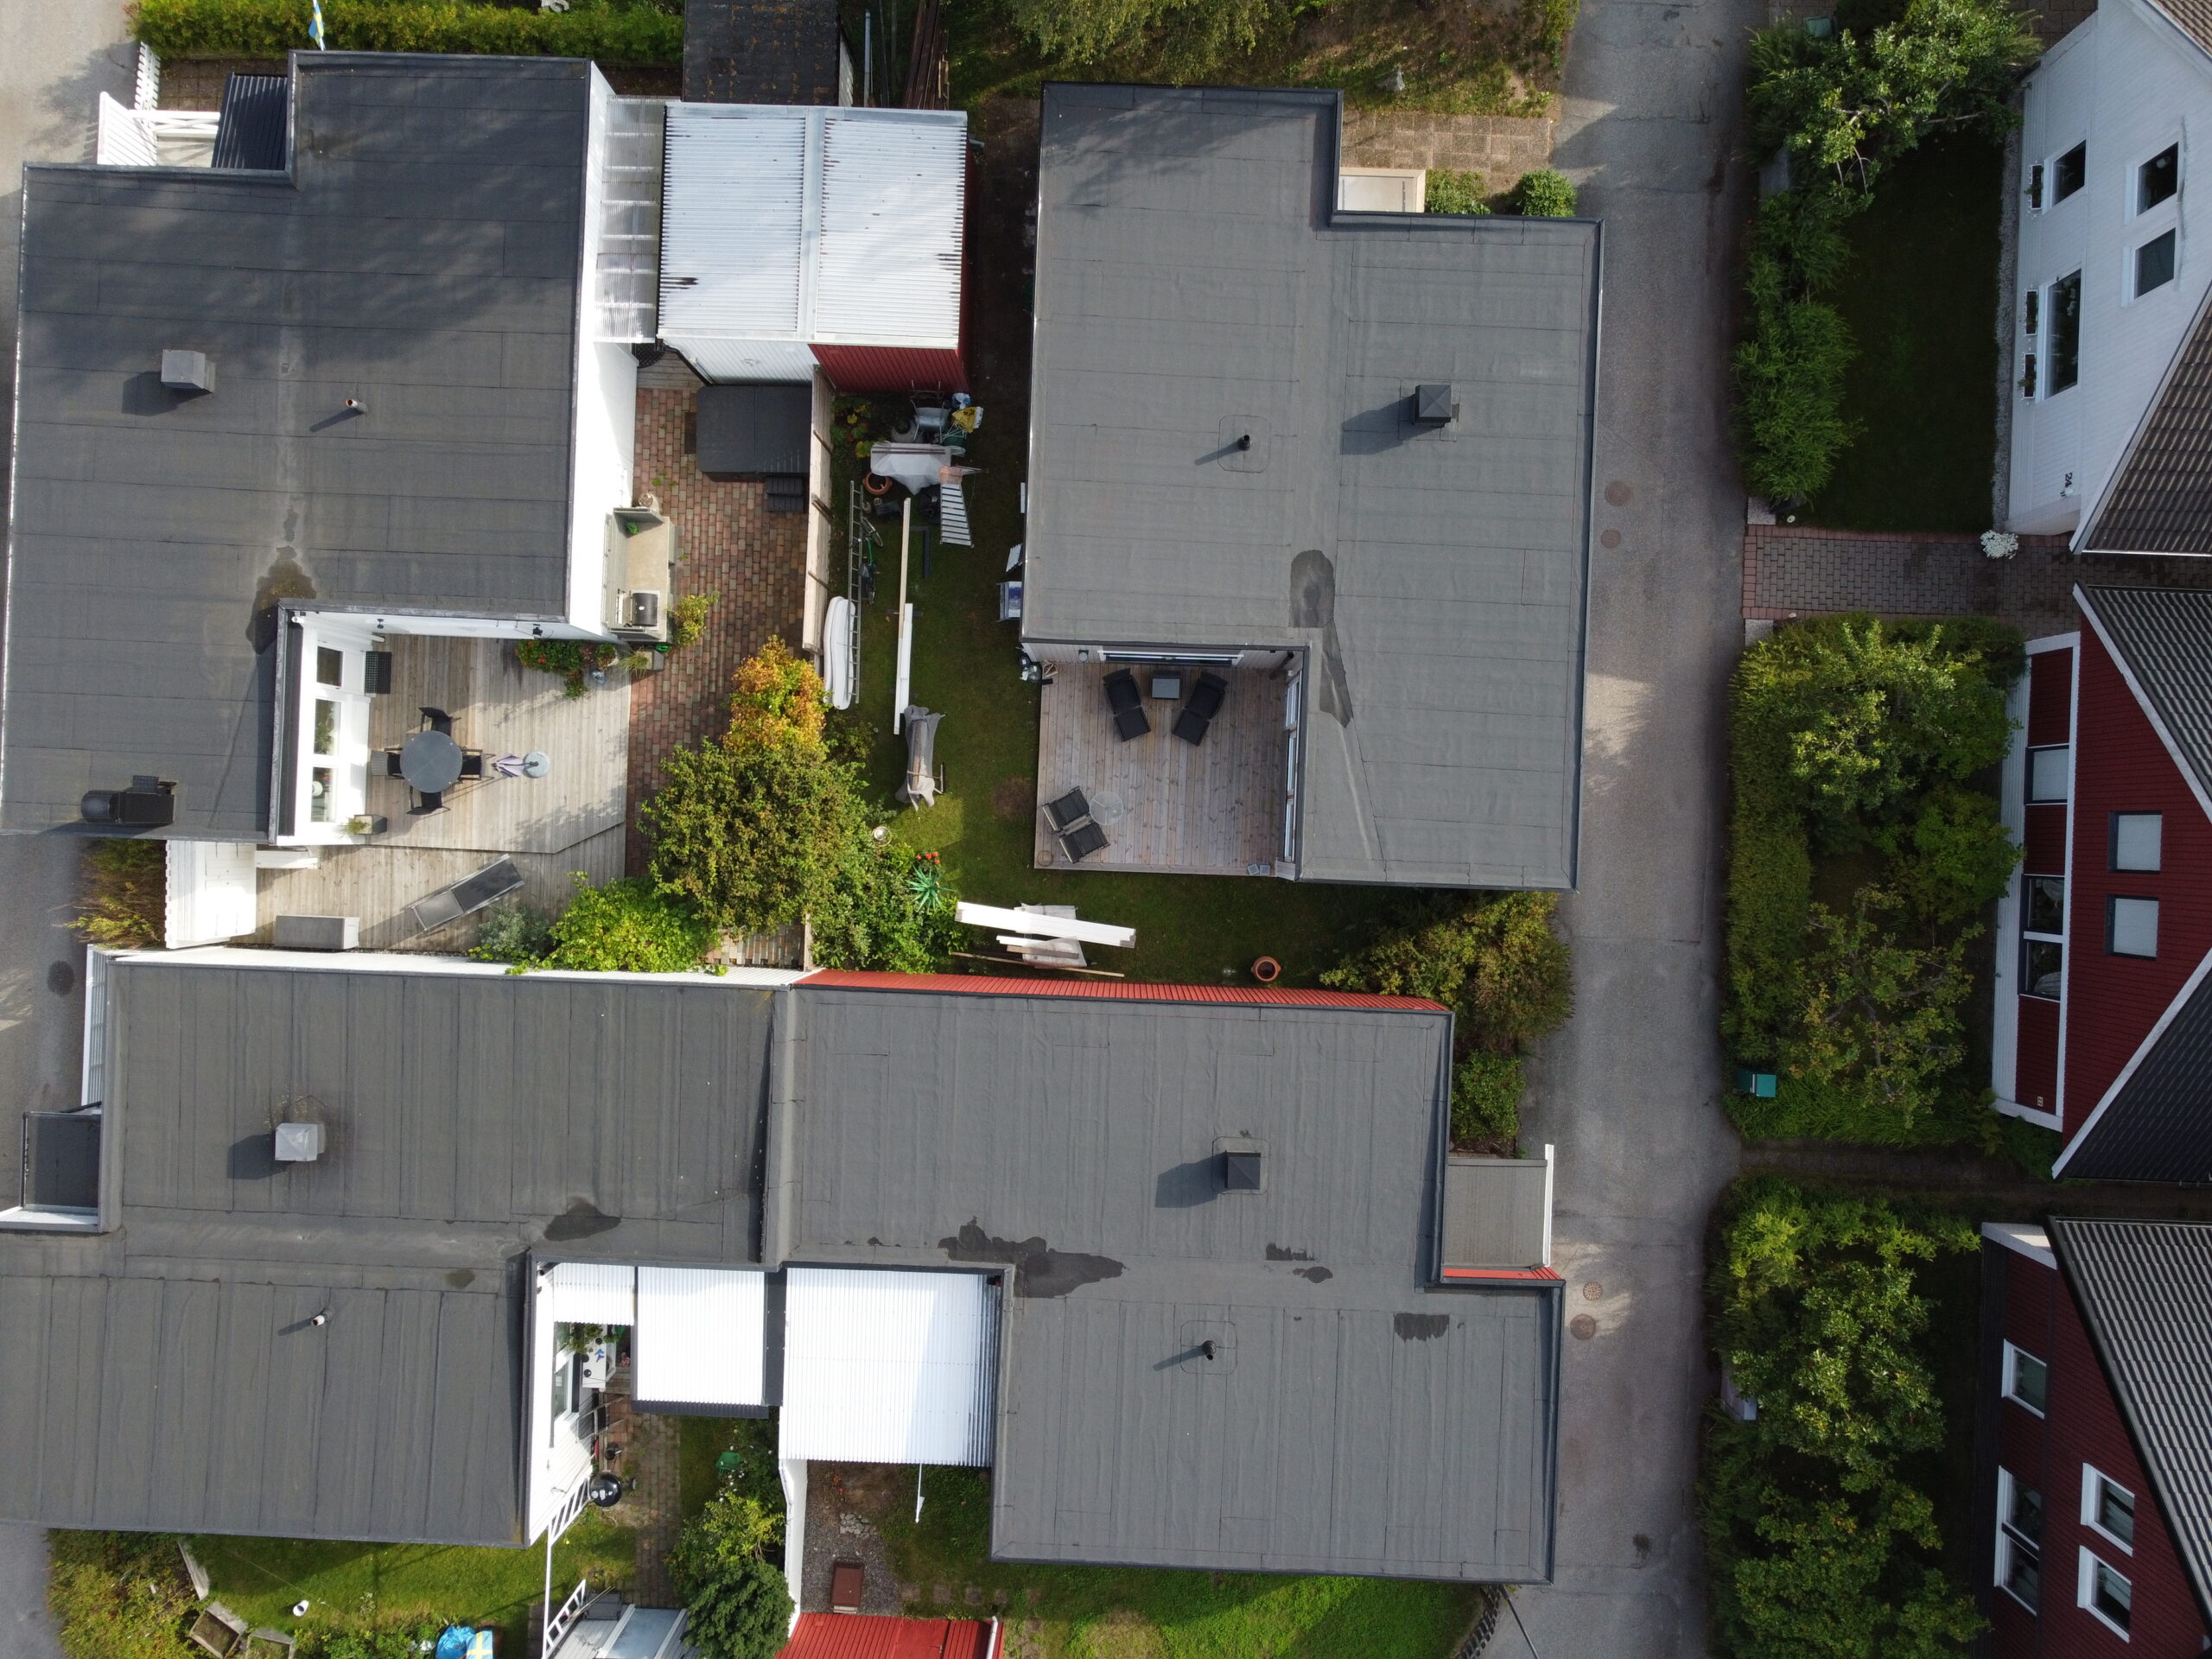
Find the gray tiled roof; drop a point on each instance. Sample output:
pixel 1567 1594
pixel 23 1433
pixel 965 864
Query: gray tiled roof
pixel 2159 500
pixel 2145 1289
pixel 1354 1420
pixel 1196 285
pixel 422 256
pixel 169 1365
pixel 2163 639
pixel 2155 1128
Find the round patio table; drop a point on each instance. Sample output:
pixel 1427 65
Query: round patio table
pixel 430 762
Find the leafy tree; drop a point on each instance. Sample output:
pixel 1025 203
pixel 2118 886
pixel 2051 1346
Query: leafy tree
pixel 1849 103
pixel 1953 858
pixel 1879 1015
pixel 741 1605
pixel 1863 717
pixel 1820 1545
pixel 751 836
pixel 778 703
pixel 1493 957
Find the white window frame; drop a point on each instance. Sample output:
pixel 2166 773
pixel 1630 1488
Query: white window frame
pixel 2173 204
pixel 2085 1586
pixel 2034 799
pixel 2008 1541
pixel 2013 1354
pixel 2093 1481
pixel 2051 199
pixel 2130 292
pixel 2112 902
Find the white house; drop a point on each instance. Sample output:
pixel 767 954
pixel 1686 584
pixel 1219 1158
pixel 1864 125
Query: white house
pixel 2109 300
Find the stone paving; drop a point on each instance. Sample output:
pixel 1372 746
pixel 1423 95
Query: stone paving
pixel 1792 570
pixel 729 545
pixel 1499 147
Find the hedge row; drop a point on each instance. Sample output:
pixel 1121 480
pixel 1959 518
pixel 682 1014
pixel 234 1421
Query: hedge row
pixel 270 28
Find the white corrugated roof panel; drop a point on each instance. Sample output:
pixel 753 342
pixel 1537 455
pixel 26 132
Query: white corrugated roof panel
pixel 887 1366
pixel 733 213
pixel 592 1293
pixel 699 1340
pixel 892 200
pixel 841 225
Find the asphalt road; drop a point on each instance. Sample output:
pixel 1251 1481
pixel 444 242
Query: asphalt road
pixel 1629 1091
pixel 56 56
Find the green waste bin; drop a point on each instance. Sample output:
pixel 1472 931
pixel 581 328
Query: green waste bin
pixel 1760 1085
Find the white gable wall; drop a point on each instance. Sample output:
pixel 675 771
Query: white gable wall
pixel 2129 83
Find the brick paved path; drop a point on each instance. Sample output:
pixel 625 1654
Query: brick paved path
pixel 1803 570
pixel 731 545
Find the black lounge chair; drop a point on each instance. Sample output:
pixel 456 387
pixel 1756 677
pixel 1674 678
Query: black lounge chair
pixel 472 763
pixel 1127 705
pixel 449 903
pixel 1068 812
pixel 1198 713
pixel 391 763
pixel 426 802
pixel 1083 841
pixel 437 720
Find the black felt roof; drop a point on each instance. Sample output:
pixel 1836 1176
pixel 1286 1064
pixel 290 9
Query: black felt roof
pixel 761 51
pixel 169 1366
pixel 421 256
pixel 2145 1289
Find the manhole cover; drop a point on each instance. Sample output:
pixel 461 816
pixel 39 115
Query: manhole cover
pixel 1593 1291
pixel 1582 1326
pixel 1619 492
pixel 1610 538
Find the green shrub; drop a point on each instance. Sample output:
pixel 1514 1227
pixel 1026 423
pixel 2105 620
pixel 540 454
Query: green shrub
pixel 512 932
pixel 1493 958
pixel 1449 191
pixel 1486 1102
pixel 570 659
pixel 753 837
pixel 1186 36
pixel 1550 21
pixel 687 618
pixel 270 28
pixel 118 1595
pixel 1770 896
pixel 889 909
pixel 740 1606
pixel 628 927
pixel 124 901
pixel 1819 1542
pixel 1788 376
pixel 1543 194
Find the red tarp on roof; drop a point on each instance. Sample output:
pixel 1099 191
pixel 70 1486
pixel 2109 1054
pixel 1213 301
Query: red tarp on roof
pixel 856 1636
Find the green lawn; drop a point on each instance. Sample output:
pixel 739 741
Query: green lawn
pixel 1921 302
pixel 260 1579
pixel 1104 1612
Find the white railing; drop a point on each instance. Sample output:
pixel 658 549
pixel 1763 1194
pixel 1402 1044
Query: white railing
pixel 136 137
pixel 557 1626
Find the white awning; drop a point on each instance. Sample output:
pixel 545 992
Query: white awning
pixel 887 1366
pixel 699 1337
pixel 592 1293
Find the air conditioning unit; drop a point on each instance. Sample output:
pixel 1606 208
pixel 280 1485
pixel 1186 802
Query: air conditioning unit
pixel 643 611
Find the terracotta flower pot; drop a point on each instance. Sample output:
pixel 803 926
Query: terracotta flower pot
pixel 1267 971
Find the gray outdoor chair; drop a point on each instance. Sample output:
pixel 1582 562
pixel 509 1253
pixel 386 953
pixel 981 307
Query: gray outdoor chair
pixel 471 894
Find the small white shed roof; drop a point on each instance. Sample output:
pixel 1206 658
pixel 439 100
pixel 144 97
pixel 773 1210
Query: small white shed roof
pixel 699 1336
pixel 887 1366
pixel 813 224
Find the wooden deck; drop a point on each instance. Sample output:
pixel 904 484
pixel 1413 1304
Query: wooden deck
pixel 570 822
pixel 1215 808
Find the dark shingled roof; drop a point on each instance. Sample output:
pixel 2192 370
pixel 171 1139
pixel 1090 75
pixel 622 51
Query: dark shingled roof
pixel 421 255
pixel 2145 1289
pixel 2155 1128
pixel 1353 1420
pixel 761 51
pixel 1195 285
pixel 169 1364
pixel 2159 500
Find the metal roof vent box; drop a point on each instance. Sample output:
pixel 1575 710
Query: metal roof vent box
pixel 1240 1168
pixel 1432 405
pixel 189 372
pixel 298 1143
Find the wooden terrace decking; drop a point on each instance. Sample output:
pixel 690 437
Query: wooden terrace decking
pixel 1212 809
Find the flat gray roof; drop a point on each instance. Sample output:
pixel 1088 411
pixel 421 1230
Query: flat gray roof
pixel 1195 284
pixel 1353 1420
pixel 423 257
pixel 168 1365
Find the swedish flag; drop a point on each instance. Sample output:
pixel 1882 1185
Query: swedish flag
pixel 315 27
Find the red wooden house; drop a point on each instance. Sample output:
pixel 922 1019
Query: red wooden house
pixel 2093 1490
pixel 2103 1028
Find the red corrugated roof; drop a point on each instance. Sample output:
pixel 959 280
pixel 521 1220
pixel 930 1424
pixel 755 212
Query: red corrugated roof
pixel 857 1635
pixel 1113 990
